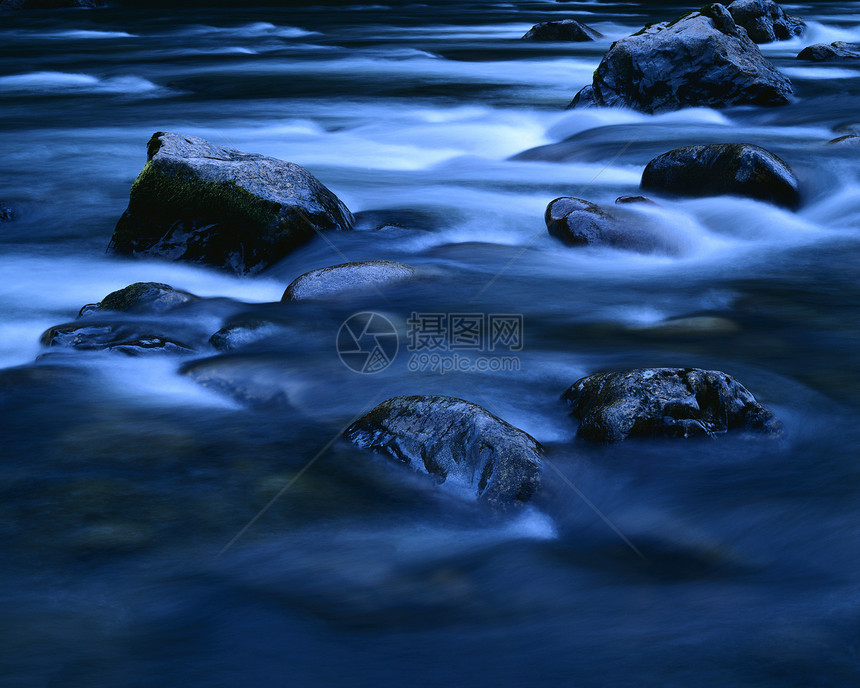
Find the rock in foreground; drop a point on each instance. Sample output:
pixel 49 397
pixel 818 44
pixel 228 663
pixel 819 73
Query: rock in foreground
pixel 834 52
pixel 563 30
pixel 665 402
pixel 740 169
pixel 454 439
pixel 201 203
pixel 347 279
pixel 700 60
pixel 765 21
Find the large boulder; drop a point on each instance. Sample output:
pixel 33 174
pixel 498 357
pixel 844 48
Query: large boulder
pixel 740 169
pixel 347 279
pixel 198 202
pixel 701 59
pixel 142 297
pixel 457 440
pixel 665 402
pixel 562 30
pixel 8 5
pixel 577 222
pixel 765 21
pixel 834 52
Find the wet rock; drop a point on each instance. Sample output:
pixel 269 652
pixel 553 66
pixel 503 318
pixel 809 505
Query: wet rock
pixel 198 202
pixel 834 52
pixel 8 5
pixel 346 279
pixel 739 169
pixel 124 338
pixel 457 440
pixel 700 59
pixel 142 297
pixel 765 21
pixel 847 141
pixel 581 223
pixel 6 214
pixel 665 402
pixel 622 200
pixel 563 30
pixel 236 335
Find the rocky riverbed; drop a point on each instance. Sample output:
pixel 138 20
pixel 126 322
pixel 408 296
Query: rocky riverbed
pixel 335 346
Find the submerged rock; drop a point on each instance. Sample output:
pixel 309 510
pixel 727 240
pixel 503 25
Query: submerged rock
pixel 6 214
pixel 665 402
pixel 700 59
pixel 125 338
pixel 238 334
pixel 740 169
pixel 623 200
pixel 454 439
pixel 847 141
pixel 562 30
pixel 142 297
pixel 198 202
pixel 834 52
pixel 581 223
pixel 346 279
pixel 765 21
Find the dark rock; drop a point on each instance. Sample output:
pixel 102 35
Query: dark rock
pixel 665 402
pixel 740 169
pixel 454 439
pixel 198 202
pixel 622 200
pixel 835 52
pixel 847 141
pixel 700 59
pixel 142 297
pixel 765 21
pixel 125 338
pixel 6 214
pixel 563 30
pixel 346 279
pixel 8 5
pixel 581 223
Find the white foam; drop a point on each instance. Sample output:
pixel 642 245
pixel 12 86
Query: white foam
pixel 819 73
pixel 65 82
pixel 88 35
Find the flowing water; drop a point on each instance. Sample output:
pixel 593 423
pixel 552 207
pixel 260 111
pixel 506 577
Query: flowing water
pixel 732 562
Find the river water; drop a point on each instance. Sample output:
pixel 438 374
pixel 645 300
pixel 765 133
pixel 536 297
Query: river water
pixel 126 485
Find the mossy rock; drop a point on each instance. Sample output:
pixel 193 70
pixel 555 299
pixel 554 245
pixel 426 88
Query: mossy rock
pixel 142 297
pixel 198 202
